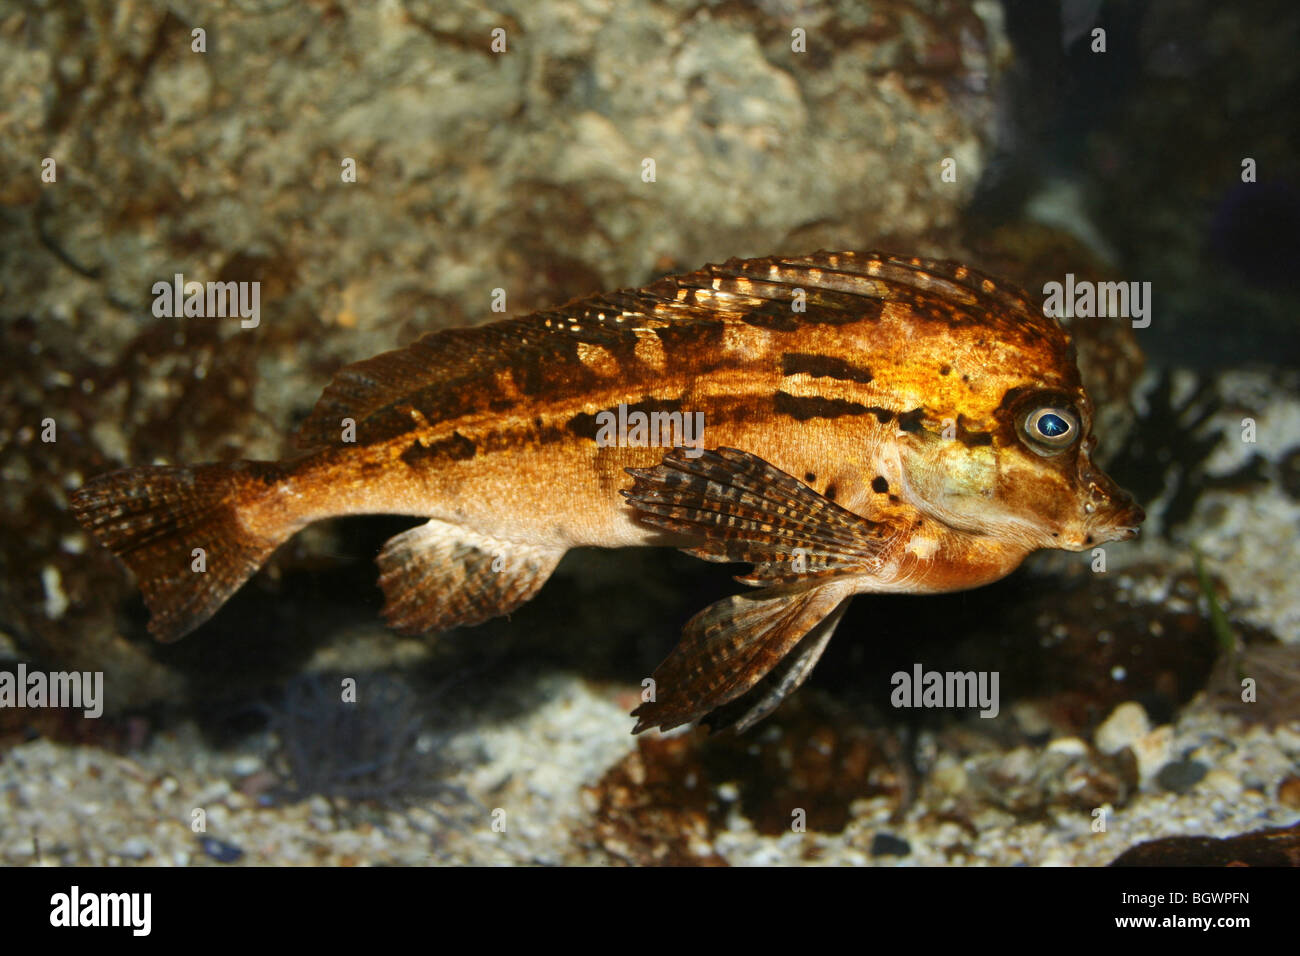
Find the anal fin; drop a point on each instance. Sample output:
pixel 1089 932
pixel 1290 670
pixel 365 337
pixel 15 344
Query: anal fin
pixel 439 575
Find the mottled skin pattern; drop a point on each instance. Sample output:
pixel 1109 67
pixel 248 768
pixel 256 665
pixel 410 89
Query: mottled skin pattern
pixel 896 388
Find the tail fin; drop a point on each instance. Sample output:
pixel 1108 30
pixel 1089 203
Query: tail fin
pixel 185 534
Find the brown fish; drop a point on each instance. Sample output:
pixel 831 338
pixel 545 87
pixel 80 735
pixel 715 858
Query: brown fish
pixel 870 424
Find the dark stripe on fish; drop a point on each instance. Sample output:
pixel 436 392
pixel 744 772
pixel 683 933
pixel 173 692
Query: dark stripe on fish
pixel 699 337
pixel 972 439
pixel 455 448
pixel 773 316
pixel 802 408
pixel 911 421
pixel 823 366
pixel 584 424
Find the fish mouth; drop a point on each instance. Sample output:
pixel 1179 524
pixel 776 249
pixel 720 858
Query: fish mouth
pixel 1125 525
pixel 1111 511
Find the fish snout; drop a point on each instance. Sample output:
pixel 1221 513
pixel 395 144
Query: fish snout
pixel 1125 525
pixel 1111 513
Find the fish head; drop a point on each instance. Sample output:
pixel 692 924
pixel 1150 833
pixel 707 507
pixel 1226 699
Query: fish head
pixel 1010 456
pixel 1047 474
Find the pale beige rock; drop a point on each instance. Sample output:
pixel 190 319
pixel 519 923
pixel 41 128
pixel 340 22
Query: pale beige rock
pixel 1127 724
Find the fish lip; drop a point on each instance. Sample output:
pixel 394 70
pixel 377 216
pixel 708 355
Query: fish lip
pixel 1126 525
pixel 1122 514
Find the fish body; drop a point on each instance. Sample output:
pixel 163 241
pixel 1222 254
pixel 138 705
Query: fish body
pixel 845 422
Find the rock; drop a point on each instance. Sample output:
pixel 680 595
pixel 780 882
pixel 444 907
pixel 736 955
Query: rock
pixel 1213 485
pixel 1027 781
pixel 1273 847
pixel 886 844
pixel 949 777
pixel 1224 784
pixel 802 773
pixel 246 765
pixel 135 848
pixel 1070 645
pixel 1181 775
pixel 1069 746
pixel 1153 751
pixel 1126 725
pixel 220 850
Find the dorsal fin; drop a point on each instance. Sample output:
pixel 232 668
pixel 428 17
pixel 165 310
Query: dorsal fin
pixel 360 390
pixel 446 373
pixel 868 276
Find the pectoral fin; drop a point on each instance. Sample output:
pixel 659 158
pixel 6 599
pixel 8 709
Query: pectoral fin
pixel 438 575
pixel 745 509
pixel 730 647
pixel 739 658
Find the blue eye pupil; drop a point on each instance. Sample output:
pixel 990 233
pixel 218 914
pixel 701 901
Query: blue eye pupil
pixel 1052 426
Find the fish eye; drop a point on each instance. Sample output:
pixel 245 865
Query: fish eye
pixel 1052 428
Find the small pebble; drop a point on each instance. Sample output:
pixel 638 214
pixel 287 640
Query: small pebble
pixel 136 848
pixel 1127 724
pixel 246 765
pixel 1181 775
pixel 1223 783
pixel 1032 719
pixel 220 850
pixel 1288 792
pixel 1069 746
pixel 949 777
pixel 1153 751
pixel 886 844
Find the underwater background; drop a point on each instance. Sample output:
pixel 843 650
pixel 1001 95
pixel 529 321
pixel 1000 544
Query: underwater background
pixel 1012 136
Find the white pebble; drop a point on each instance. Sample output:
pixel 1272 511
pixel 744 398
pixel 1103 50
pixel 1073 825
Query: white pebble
pixel 1127 724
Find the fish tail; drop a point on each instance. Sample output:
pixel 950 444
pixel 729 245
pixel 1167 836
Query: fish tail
pixel 192 536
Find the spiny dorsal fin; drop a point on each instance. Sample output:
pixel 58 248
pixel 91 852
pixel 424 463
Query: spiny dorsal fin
pixel 362 389
pixel 879 275
pixel 438 576
pixel 443 372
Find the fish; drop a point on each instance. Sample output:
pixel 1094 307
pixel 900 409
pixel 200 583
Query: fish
pixel 869 423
